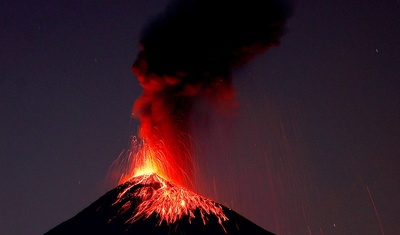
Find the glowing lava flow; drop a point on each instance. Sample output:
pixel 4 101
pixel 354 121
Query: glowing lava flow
pixel 168 201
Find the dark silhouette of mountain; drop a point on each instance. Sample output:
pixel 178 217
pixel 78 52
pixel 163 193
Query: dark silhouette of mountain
pixel 150 205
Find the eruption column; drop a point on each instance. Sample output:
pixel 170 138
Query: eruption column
pixel 189 52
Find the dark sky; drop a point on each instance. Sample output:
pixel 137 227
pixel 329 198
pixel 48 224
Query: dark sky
pixel 313 147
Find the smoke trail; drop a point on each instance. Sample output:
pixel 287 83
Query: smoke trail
pixel 190 51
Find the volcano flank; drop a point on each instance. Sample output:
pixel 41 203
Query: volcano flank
pixel 149 204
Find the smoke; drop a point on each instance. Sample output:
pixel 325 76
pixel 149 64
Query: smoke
pixel 187 52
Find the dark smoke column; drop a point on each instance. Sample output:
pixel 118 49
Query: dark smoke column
pixel 189 52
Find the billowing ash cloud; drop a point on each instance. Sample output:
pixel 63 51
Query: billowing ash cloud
pixel 190 50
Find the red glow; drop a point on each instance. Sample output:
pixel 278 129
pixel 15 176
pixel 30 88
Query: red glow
pixel 163 144
pixel 146 159
pixel 170 160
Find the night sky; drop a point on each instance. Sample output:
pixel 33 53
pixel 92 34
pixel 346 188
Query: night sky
pixel 312 148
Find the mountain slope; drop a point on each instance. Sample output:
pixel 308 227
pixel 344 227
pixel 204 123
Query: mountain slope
pixel 150 205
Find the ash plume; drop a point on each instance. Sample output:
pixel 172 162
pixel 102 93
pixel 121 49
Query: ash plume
pixel 189 51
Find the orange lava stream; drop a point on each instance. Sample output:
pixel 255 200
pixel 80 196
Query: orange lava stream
pixel 170 202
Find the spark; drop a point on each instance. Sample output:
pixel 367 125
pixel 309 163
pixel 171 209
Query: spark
pixel 376 211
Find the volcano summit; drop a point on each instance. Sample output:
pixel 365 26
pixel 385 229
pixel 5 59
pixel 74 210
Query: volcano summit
pixel 149 204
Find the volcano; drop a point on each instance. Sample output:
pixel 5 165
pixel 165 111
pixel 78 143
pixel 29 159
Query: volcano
pixel 152 205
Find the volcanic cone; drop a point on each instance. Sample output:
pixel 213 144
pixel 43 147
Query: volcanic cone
pixel 149 204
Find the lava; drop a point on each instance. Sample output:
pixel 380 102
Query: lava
pixel 168 201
